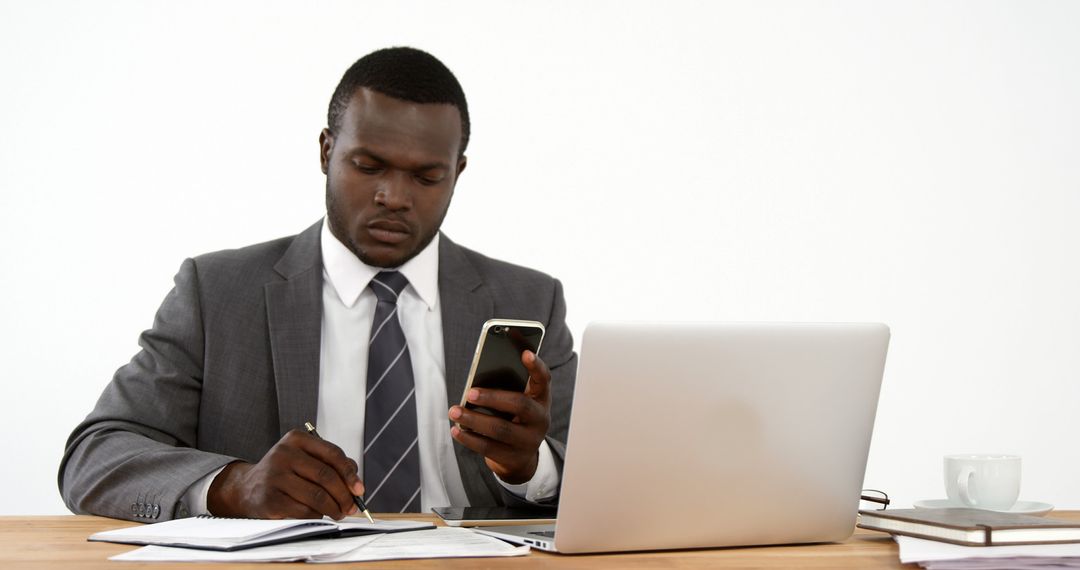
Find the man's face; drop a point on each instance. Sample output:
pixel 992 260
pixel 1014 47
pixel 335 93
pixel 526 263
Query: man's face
pixel 390 174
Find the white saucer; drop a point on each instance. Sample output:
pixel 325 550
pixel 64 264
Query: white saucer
pixel 1020 508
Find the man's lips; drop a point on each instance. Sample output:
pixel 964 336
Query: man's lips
pixel 389 231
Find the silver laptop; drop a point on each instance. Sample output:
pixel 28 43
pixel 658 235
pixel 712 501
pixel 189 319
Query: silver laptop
pixel 715 434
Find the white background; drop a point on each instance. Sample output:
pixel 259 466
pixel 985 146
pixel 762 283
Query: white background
pixel 914 163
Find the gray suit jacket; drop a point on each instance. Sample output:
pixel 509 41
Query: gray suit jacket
pixel 232 364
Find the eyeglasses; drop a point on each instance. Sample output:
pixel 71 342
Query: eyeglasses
pixel 873 500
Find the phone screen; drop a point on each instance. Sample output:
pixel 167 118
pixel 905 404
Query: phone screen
pixel 499 365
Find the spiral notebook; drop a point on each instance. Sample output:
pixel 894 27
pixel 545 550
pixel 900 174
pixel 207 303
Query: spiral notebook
pixel 212 533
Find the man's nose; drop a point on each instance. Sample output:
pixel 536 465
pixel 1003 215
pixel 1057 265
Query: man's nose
pixel 394 192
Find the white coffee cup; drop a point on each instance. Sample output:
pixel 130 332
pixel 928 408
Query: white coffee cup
pixel 982 481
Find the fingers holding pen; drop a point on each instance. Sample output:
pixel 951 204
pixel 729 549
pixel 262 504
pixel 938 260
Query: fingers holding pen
pixel 299 477
pixel 332 455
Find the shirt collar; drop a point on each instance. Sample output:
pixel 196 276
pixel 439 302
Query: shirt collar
pixel 349 276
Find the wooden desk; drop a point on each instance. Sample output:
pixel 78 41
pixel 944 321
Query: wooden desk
pixel 47 543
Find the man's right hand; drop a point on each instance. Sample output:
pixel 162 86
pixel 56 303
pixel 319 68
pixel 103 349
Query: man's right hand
pixel 300 477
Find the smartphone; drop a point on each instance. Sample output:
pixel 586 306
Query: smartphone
pixel 495 516
pixel 497 360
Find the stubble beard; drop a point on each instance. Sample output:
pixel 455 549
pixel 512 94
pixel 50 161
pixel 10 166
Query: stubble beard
pixel 339 226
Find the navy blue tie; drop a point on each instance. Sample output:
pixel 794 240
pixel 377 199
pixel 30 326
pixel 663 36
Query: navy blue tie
pixel 391 455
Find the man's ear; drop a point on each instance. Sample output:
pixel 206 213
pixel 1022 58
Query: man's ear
pixel 461 165
pixel 326 146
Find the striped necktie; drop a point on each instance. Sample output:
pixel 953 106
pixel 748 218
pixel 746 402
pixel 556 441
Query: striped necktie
pixel 391 455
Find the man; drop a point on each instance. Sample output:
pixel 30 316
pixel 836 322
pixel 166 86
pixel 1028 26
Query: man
pixel 365 323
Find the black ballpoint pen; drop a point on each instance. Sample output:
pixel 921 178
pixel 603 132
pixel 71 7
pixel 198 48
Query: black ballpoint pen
pixel 356 498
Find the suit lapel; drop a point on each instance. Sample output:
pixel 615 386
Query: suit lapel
pixel 465 306
pixel 294 314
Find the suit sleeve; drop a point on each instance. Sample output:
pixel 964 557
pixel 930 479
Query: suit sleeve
pixel 558 354
pixel 134 456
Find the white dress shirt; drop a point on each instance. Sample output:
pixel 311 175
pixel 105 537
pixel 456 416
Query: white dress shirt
pixel 348 310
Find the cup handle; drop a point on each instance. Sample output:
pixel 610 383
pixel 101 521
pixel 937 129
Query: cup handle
pixel 962 482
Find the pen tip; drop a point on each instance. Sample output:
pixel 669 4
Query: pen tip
pixel 309 427
pixel 368 515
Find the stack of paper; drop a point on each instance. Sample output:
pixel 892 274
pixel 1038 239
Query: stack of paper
pixel 934 555
pixel 443 542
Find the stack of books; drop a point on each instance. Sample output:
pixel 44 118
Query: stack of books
pixel 963 539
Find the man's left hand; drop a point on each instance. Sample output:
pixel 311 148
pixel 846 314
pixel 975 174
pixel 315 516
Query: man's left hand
pixel 509 447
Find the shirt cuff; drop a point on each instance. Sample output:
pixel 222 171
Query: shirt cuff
pixel 195 497
pixel 545 481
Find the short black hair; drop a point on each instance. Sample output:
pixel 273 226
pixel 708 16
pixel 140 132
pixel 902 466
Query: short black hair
pixel 403 73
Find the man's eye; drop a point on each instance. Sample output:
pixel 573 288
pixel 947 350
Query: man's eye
pixel 367 168
pixel 427 180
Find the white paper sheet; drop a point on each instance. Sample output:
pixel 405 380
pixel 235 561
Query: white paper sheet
pixel 935 555
pixel 288 552
pixel 443 542
pixel 1001 564
pixel 1019 563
